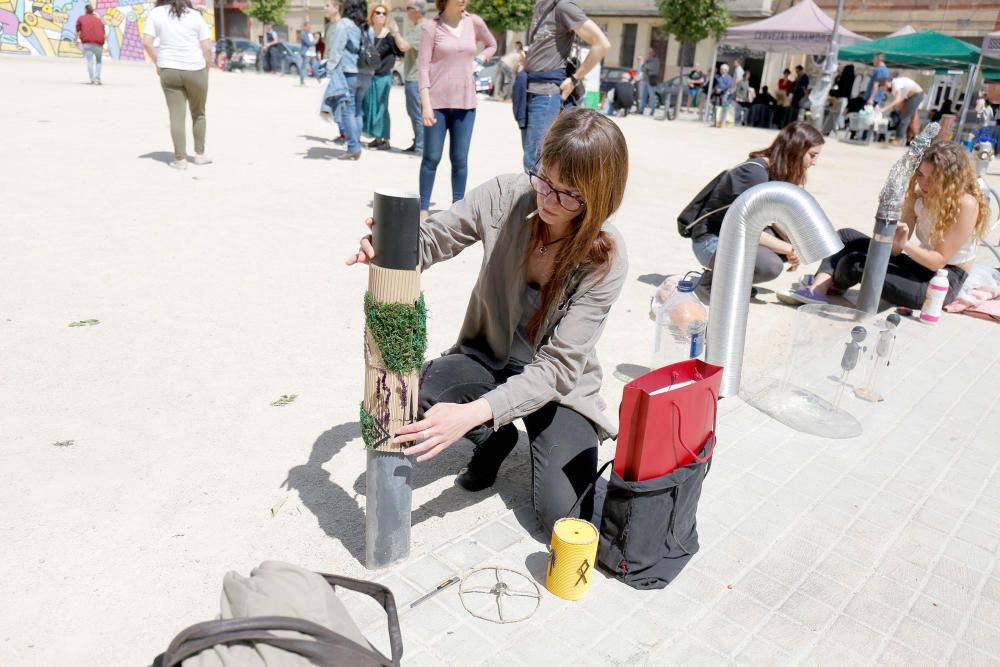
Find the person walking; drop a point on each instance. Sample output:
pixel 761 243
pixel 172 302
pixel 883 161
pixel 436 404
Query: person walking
pixel 650 80
pixel 389 44
pixel 416 13
pixel 695 80
pixel 307 52
pixel 721 95
pixel 90 34
pixel 907 95
pixel 800 89
pixel 182 62
pixel 546 85
pixel 357 11
pixel 320 46
pixel 448 92
pixel 343 37
pixel 528 345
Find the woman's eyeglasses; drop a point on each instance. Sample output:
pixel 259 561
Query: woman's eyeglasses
pixel 544 187
pixel 379 12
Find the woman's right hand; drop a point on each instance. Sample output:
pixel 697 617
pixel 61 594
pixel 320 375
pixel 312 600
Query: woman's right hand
pixel 429 118
pixel 366 251
pixel 901 237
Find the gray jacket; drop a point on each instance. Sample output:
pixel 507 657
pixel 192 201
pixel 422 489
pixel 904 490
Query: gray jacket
pixel 565 368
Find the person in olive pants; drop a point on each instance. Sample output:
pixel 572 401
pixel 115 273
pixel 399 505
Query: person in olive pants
pixel 185 88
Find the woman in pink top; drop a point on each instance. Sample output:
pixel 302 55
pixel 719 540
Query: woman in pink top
pixel 448 91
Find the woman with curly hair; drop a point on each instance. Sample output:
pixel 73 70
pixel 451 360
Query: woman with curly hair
pixel 944 216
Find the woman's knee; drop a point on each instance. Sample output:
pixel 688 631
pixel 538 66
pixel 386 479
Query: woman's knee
pixel 768 267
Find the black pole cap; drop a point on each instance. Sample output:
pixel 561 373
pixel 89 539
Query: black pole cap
pixel 397 227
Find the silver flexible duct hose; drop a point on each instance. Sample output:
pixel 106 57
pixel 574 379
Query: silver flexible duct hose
pixel 890 206
pixel 810 232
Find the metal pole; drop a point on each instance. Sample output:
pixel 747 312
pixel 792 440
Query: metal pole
pixel 822 91
pixel 390 395
pixel 388 502
pixel 711 84
pixel 876 261
pixel 969 102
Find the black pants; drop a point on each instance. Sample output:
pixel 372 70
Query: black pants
pixel 563 442
pixel 905 280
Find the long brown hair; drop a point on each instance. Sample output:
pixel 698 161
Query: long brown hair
pixel 590 153
pixel 954 176
pixel 786 154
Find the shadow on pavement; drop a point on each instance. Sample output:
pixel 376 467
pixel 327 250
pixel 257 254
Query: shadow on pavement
pixel 337 509
pixel 653 279
pixel 166 157
pixel 320 153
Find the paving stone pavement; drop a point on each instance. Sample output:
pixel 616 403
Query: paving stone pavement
pixel 221 288
pixel 880 549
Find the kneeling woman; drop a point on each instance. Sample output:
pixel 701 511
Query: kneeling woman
pixel 552 268
pixel 944 209
pixel 790 155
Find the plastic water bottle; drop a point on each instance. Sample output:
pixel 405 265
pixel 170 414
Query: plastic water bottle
pixel 681 324
pixel 934 301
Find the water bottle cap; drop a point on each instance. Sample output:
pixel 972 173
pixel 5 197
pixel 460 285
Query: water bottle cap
pixel 686 284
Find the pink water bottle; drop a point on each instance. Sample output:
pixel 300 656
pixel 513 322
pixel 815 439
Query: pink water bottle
pixel 934 301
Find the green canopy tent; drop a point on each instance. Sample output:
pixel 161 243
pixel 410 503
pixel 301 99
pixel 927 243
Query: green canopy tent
pixel 924 50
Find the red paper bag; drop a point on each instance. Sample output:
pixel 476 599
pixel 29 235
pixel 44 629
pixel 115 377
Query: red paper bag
pixel 666 419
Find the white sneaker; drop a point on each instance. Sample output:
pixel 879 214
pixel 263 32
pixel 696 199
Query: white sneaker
pixel 179 164
pixel 202 159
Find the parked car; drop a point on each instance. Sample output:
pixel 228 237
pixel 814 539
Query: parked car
pixel 486 75
pixel 284 58
pixel 229 46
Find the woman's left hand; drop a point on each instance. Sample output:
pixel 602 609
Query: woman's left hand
pixel 441 426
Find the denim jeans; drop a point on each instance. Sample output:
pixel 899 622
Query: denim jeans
pixel 542 111
pixel 93 52
pixel 741 112
pixel 458 122
pixel 414 109
pixel 348 116
pixel 768 264
pixel 364 83
pixel 646 96
pixel 563 442
pixel 305 67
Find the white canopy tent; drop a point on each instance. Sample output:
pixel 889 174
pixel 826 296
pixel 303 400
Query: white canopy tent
pixel 802 28
pixel 905 30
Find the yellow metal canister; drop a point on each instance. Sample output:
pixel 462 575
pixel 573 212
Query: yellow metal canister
pixel 571 558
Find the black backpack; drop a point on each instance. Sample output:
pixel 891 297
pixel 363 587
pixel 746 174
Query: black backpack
pixel 695 211
pixel 368 57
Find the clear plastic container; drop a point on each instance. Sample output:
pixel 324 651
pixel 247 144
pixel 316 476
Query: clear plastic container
pixel 681 323
pixel 823 382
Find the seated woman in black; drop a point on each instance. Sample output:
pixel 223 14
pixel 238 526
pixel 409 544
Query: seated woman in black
pixel 793 152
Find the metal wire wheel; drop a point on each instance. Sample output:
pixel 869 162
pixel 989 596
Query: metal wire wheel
pixel 499 595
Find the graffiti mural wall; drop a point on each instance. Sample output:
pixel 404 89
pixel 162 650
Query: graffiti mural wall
pixel 48 27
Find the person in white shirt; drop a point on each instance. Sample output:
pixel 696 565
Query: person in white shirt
pixel 182 60
pixel 906 94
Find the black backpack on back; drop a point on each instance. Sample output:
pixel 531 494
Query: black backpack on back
pixel 695 212
pixel 368 57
